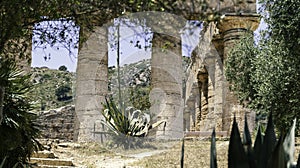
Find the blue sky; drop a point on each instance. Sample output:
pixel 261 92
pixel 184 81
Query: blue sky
pixel 129 53
pixel 58 58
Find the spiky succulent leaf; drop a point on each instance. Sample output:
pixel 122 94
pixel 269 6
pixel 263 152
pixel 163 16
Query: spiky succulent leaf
pixel 277 159
pixel 298 162
pixel 182 154
pixel 268 145
pixel 237 157
pixel 213 151
pixel 247 142
pixel 257 145
pixel 246 134
pixel 2 163
pixel 289 144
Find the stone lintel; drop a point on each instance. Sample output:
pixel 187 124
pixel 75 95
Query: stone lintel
pixel 248 21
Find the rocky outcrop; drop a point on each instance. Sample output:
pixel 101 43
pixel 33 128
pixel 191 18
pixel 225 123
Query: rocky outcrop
pixel 58 123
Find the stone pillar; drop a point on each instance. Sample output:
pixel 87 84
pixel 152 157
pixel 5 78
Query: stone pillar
pixel 166 82
pixel 206 77
pixel 232 27
pixel 91 85
pixel 219 78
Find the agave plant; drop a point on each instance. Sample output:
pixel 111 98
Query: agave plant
pixel 18 131
pixel 267 152
pixel 126 125
pixel 213 151
pixel 182 154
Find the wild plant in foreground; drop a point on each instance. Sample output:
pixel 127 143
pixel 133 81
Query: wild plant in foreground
pixel 127 127
pixel 267 152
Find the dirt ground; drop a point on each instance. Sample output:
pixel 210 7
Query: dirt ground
pixel 158 154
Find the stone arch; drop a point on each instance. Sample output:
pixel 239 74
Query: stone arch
pixel 92 68
pixel 166 64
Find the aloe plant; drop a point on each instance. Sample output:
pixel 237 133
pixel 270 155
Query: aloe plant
pixel 237 157
pixel 257 145
pixel 2 163
pixel 269 143
pixel 124 125
pixel 267 152
pixel 213 151
pixel 247 142
pixel 182 154
pixel 289 145
pixel 298 162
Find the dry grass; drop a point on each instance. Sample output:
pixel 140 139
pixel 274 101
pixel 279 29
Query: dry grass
pixel 165 154
pixel 197 154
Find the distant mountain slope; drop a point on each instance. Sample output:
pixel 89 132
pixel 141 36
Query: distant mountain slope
pixel 135 84
pixel 56 88
pixel 52 88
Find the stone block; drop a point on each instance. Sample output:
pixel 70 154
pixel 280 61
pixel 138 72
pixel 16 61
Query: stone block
pixel 87 102
pixel 91 87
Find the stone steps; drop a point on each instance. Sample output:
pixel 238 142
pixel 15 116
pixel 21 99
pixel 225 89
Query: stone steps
pixel 51 161
pixel 206 134
pixel 46 159
pixel 43 154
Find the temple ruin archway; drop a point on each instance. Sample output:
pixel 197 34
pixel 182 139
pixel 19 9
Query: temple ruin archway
pixel 92 79
pixel 166 65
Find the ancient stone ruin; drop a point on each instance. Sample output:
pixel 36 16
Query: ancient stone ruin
pixel 58 123
pixel 206 101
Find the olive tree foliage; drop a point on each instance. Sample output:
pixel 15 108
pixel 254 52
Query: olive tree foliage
pixel 266 77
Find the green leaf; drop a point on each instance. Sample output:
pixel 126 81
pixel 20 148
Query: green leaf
pixel 237 157
pixel 289 144
pixel 246 134
pixel 268 145
pixel 298 162
pixel 257 145
pixel 182 154
pixel 247 142
pixel 213 151
pixel 2 163
pixel 277 159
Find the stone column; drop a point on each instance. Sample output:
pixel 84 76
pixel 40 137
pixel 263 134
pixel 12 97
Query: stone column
pixel 219 81
pixel 206 77
pixel 166 82
pixel 232 27
pixel 91 85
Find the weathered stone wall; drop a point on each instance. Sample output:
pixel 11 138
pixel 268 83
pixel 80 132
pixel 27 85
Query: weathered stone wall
pixel 208 98
pixel 166 82
pixel 91 85
pixel 217 104
pixel 58 123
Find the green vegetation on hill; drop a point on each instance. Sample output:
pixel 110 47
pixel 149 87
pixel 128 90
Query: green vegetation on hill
pixel 52 88
pixel 135 82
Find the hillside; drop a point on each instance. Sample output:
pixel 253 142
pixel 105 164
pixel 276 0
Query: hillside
pixel 55 88
pixel 135 84
pixel 52 88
